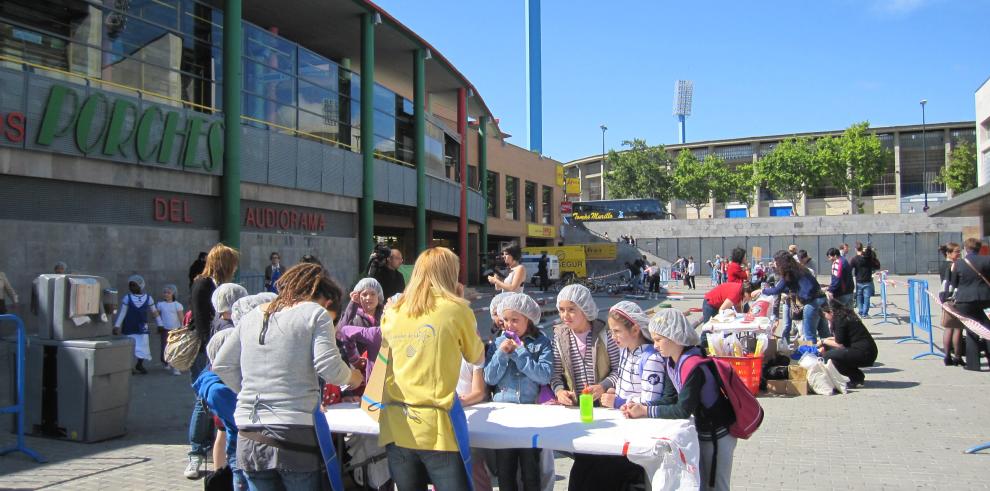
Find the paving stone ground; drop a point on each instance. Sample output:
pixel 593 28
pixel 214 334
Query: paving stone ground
pixel 906 429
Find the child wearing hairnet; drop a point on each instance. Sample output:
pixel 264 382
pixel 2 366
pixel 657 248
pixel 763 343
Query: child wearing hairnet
pixel 223 300
pixel 695 393
pixel 171 313
pixel 640 366
pixel 132 321
pixel 522 362
pixel 359 328
pixel 584 357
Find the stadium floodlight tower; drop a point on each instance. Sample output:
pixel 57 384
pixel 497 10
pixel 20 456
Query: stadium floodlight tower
pixel 683 94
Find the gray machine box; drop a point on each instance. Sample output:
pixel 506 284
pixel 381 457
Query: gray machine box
pixel 78 389
pixel 74 306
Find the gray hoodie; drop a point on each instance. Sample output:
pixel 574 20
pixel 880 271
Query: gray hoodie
pixel 276 381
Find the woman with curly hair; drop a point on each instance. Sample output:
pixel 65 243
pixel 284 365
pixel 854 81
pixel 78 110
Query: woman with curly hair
pixel 802 285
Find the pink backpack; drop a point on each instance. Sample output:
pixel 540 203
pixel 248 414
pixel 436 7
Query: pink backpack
pixel 749 413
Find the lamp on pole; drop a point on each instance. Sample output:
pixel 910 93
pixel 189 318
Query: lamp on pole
pixel 604 129
pixel 924 146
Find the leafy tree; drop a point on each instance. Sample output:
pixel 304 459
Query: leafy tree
pixel 737 185
pixel 695 182
pixel 853 161
pixel 640 172
pixel 960 174
pixel 791 170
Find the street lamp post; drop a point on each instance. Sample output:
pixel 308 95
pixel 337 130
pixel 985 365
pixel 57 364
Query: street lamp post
pixel 924 146
pixel 604 128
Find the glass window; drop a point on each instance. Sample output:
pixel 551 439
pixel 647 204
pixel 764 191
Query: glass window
pixel 269 83
pixel 511 198
pixel 319 100
pixel 268 110
pixel 918 166
pixel 472 176
pixel 319 125
pixel 317 69
pixel 384 125
pixel 265 47
pixel 492 194
pixel 161 12
pixel 384 100
pixel 530 201
pixel 546 205
pixel 735 152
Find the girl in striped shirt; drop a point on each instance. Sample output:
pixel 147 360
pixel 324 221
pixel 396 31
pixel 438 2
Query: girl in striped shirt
pixel 641 370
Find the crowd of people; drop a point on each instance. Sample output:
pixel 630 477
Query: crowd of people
pixel 267 362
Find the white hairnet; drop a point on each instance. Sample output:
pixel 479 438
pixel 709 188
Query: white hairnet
pixel 671 324
pixel 244 305
pixel 172 288
pixel 137 279
pixel 225 295
pixel 581 296
pixel 522 303
pixel 494 307
pixel 216 341
pixel 634 313
pixel 370 284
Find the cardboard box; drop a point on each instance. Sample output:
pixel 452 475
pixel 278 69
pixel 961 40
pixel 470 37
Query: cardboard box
pixel 788 387
pixel 797 373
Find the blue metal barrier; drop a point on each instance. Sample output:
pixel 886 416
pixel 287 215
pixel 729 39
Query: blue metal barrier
pixel 664 274
pixel 921 316
pixel 884 304
pixel 18 408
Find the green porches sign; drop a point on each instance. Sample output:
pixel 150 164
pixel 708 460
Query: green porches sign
pixel 118 129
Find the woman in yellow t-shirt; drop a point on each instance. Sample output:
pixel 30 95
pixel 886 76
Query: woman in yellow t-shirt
pixel 429 330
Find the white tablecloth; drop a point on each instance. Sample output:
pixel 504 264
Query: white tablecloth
pixel 667 449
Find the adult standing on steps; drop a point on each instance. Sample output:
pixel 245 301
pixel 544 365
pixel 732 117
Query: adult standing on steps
pixel 972 282
pixel 220 266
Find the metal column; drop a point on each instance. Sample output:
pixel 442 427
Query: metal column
pixel 230 183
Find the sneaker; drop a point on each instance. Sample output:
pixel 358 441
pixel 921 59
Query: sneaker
pixel 175 371
pixel 141 370
pixel 192 469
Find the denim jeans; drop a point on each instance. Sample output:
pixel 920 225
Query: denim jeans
pixel 707 311
pixel 863 293
pixel 810 328
pixel 277 480
pixel 413 470
pixel 240 484
pixel 849 300
pixel 787 319
pixel 201 421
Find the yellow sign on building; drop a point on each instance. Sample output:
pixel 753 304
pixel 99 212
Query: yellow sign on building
pixel 598 252
pixel 543 231
pixel 573 186
pixel 560 175
pixel 571 258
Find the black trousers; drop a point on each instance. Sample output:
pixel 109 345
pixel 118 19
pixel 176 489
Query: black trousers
pixel 509 460
pixel 974 344
pixel 690 279
pixel 849 360
pixel 600 472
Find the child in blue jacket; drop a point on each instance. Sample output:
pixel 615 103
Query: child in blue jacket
pixel 520 364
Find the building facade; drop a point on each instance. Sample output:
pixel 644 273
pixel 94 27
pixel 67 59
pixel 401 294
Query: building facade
pixel 137 134
pixel 900 190
pixel 983 133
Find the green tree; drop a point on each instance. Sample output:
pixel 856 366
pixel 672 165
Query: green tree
pixel 738 184
pixel 854 161
pixel 640 172
pixel 960 174
pixel 791 169
pixel 696 182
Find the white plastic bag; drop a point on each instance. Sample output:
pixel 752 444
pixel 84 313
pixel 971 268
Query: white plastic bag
pixel 818 377
pixel 839 380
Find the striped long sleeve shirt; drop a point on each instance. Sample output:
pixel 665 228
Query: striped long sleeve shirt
pixel 644 387
pixel 583 366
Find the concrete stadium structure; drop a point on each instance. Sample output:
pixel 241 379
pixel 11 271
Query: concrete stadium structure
pixel 900 190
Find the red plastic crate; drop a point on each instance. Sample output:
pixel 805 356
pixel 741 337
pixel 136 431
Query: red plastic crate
pixel 749 369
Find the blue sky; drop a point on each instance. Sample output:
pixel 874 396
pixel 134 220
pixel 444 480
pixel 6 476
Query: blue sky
pixel 759 68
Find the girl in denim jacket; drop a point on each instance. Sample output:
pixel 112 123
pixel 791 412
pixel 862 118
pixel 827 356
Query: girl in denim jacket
pixel 521 363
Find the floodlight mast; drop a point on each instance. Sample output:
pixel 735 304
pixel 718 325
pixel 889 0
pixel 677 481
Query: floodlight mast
pixel 683 96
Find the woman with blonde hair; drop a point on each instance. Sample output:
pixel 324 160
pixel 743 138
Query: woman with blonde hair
pixel 221 264
pixel 428 324
pixel 272 360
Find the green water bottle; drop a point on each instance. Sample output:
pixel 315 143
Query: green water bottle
pixel 587 402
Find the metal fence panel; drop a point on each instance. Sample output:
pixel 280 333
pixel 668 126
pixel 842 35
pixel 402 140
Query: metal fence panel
pixel 904 254
pixel 780 242
pixel 281 160
pixel 883 247
pixel 710 246
pixel 761 241
pixel 926 252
